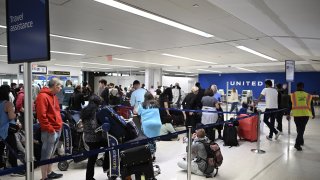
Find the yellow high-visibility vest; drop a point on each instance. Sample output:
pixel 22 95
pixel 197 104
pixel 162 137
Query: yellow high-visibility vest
pixel 301 104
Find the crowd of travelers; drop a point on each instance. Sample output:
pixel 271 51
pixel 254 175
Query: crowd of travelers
pixel 158 110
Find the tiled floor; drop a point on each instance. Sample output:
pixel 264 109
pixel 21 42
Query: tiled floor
pixel 281 160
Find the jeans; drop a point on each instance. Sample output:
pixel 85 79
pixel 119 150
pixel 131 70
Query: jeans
pixel 301 123
pixel 234 106
pixel 270 124
pixel 49 144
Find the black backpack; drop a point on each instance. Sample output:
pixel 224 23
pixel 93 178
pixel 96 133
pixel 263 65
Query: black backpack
pixel 230 134
pixel 214 158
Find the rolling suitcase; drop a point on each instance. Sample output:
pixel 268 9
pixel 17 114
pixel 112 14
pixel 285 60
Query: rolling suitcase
pixel 230 134
pixel 248 128
pixel 138 161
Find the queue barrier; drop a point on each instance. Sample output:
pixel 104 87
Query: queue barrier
pixel 132 144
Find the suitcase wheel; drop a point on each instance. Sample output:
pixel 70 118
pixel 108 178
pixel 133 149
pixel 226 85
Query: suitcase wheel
pixel 63 166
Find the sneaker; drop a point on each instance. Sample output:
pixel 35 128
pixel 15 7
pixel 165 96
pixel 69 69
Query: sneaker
pixel 18 174
pixel 185 140
pixel 277 135
pixel 54 175
pixel 270 139
pixel 298 148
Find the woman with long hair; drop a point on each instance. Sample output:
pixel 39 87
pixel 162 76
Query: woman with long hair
pixel 7 117
pixel 150 116
pixel 92 139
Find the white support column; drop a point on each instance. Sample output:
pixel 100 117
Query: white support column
pixel 153 77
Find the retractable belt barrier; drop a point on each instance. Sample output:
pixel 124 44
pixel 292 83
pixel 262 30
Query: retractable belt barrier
pixel 127 145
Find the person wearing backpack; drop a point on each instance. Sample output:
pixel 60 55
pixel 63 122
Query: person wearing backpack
pixel 198 152
pixel 205 155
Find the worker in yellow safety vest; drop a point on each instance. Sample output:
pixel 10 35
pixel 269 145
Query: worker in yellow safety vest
pixel 301 110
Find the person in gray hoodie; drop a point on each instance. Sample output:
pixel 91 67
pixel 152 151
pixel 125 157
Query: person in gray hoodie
pixel 198 152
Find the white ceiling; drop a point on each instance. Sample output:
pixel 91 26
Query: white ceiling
pixel 282 29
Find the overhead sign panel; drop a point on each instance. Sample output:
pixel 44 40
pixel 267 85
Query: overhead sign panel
pixel 290 67
pixel 35 69
pixel 27 30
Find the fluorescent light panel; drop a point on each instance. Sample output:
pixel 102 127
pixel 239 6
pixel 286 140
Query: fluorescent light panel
pixel 190 59
pixel 256 53
pixel 95 68
pixel 129 60
pixel 69 53
pixel 208 70
pixel 178 71
pixel 3 45
pixel 246 69
pixel 84 40
pixel 148 15
pixel 108 65
pixel 88 41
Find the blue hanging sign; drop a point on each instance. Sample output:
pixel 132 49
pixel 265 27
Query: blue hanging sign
pixel 27 30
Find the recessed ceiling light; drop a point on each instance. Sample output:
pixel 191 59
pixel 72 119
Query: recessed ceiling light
pixel 129 60
pixel 69 53
pixel 209 70
pixel 154 17
pixel 190 59
pixel 3 45
pixel 88 41
pixel 256 53
pixel 108 65
pixel 246 69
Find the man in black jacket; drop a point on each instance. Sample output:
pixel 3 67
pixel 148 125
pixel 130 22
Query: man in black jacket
pixel 105 91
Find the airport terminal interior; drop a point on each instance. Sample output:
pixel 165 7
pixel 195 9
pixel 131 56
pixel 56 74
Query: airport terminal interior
pixel 226 44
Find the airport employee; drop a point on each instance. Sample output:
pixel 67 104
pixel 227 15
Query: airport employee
pixel 301 110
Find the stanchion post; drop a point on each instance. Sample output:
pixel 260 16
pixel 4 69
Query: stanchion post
pixel 189 152
pixel 258 150
pixel 289 122
pixel 28 119
pixel 227 94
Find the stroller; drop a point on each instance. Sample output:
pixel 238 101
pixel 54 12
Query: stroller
pixel 125 162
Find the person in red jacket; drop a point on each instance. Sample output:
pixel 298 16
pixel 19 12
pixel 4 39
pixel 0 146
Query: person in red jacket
pixel 49 117
pixel 20 106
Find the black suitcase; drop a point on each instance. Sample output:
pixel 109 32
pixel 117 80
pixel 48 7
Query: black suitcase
pixel 230 135
pixel 135 156
pixel 138 161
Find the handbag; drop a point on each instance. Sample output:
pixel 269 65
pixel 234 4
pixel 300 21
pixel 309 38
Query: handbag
pixel 13 128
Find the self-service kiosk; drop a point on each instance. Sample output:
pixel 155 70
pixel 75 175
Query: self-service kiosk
pixel 223 95
pixel 229 95
pixel 246 96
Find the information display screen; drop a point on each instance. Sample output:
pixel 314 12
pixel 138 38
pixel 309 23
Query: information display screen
pixel 27 30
